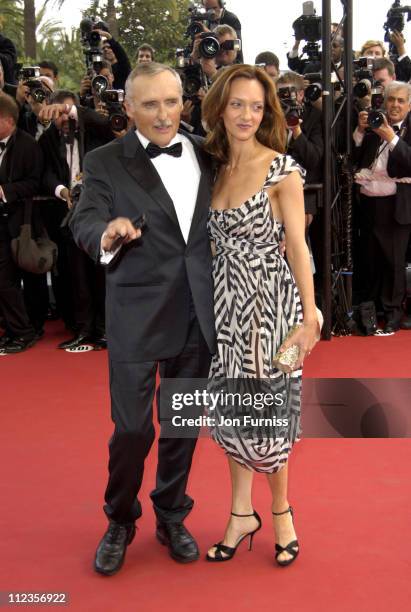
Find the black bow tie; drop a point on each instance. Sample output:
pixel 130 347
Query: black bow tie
pixel 396 129
pixel 2 146
pixel 154 150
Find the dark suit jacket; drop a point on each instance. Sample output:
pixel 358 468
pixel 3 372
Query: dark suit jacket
pixel 308 148
pixel 399 166
pixel 148 288
pixel 93 132
pixel 20 175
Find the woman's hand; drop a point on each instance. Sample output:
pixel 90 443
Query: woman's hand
pixel 305 337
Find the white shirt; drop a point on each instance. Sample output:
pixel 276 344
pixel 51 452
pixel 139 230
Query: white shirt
pixel 2 153
pixel 181 178
pixel 380 185
pixel 73 161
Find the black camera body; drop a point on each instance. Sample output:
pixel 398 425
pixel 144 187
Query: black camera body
pixel 91 41
pixel 395 21
pixel 198 18
pixel 375 114
pixel 113 99
pixel 314 90
pixel 308 28
pixel 30 77
pixel 292 109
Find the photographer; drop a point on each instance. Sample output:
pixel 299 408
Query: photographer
pixel 402 63
pixel 20 172
pixel 91 89
pixel 223 17
pixel 36 99
pixel 305 141
pixel 383 151
pixel 270 62
pixel 74 132
pixel 145 54
pixel 8 59
pixel 297 64
pixel 114 53
pixel 49 69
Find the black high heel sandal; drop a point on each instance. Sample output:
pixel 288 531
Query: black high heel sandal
pixel 229 551
pixel 292 547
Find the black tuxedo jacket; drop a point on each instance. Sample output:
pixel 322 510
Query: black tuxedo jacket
pixel 308 148
pixel 399 166
pixel 20 174
pixel 93 132
pixel 148 288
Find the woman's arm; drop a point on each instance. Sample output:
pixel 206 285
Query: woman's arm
pixel 291 203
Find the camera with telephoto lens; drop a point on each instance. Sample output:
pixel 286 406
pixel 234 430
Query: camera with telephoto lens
pixel 375 114
pixel 314 90
pixel 292 109
pixel 113 99
pixel 91 41
pixel 395 21
pixel 209 46
pixel 199 17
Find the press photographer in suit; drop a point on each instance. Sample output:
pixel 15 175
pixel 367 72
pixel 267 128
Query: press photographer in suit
pixel 159 304
pixel 75 131
pixel 20 172
pixel 305 140
pixel 385 205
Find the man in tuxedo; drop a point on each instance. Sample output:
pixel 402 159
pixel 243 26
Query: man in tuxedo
pixel 159 304
pixel 385 205
pixel 80 282
pixel 20 172
pixel 305 140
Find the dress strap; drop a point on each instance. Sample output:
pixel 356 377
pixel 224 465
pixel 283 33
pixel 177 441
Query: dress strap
pixel 280 168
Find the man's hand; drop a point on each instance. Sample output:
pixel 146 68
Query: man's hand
pixel 385 131
pixel 398 41
pixel 22 93
pixel 103 33
pixel 362 121
pixel 119 228
pixel 188 107
pixel 65 194
pixel 101 109
pixel 53 111
pixel 85 86
pixel 296 130
pixel 209 67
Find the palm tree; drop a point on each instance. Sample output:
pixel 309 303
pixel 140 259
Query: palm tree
pixel 30 29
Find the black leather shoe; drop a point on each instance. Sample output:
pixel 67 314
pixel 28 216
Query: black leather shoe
pixel 100 343
pixel 391 327
pixel 75 342
pixel 405 323
pixel 5 339
pixel 180 542
pixel 18 345
pixel 111 551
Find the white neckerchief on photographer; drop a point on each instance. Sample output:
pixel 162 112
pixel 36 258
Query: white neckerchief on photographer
pixel 380 184
pixel 72 158
pixel 181 178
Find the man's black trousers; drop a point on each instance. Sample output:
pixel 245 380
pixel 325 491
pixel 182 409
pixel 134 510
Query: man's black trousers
pixel 132 387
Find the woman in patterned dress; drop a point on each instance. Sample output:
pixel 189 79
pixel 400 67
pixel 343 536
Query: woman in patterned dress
pixel 259 297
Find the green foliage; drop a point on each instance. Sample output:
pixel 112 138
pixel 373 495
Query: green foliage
pixel 159 23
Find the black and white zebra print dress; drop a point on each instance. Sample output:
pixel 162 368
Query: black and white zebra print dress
pixel 256 302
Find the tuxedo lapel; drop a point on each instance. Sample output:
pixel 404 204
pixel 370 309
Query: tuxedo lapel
pixel 137 163
pixel 203 194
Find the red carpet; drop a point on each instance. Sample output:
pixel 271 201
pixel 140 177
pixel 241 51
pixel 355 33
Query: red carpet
pixel 352 500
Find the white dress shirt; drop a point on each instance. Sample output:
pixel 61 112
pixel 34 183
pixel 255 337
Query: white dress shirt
pixel 181 178
pixel 380 185
pixel 73 160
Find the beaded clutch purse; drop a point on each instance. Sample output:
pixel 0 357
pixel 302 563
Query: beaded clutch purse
pixel 286 360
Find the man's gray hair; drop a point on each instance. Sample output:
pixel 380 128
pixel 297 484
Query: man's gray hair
pixel 149 69
pixel 394 86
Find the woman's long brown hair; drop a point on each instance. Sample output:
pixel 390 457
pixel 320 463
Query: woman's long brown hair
pixel 272 131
